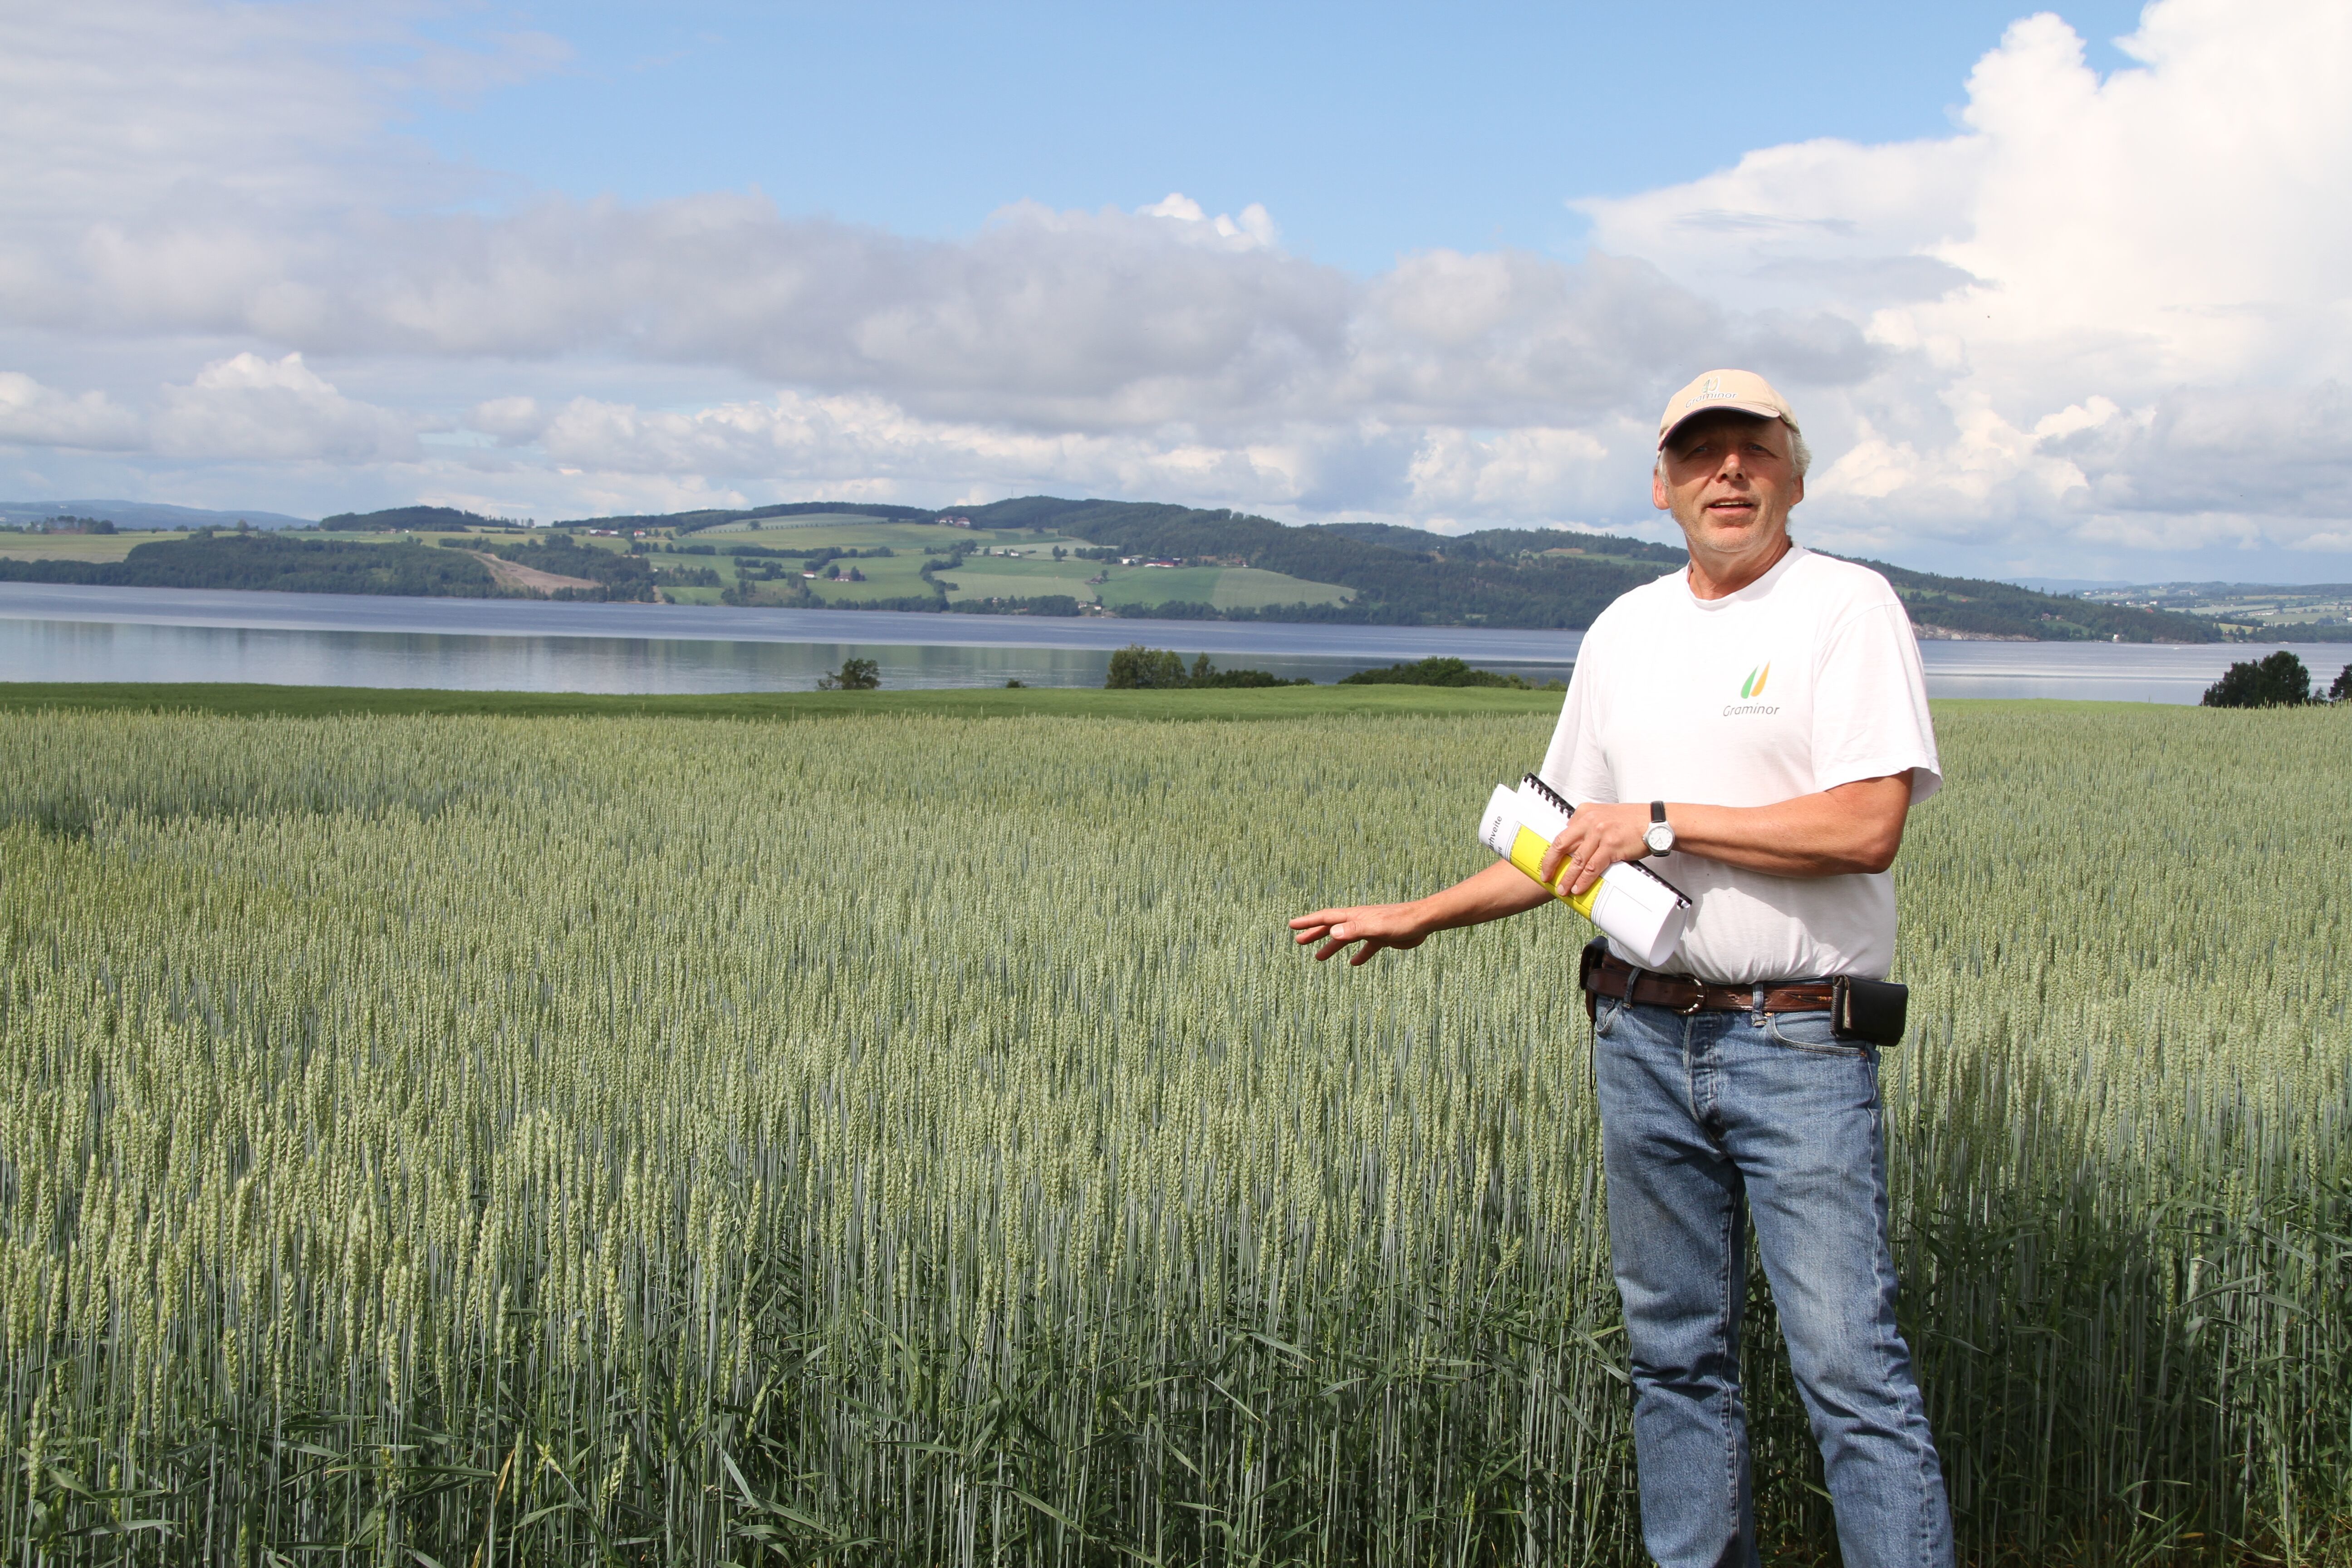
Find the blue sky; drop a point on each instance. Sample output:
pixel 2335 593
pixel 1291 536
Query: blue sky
pixel 2056 293
pixel 1372 130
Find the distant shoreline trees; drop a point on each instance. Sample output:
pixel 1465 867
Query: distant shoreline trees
pixel 2279 681
pixel 1135 667
pixel 1439 671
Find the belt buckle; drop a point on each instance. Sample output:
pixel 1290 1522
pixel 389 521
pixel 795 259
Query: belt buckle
pixel 1698 999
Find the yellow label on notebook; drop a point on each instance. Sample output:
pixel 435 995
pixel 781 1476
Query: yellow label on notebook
pixel 1528 852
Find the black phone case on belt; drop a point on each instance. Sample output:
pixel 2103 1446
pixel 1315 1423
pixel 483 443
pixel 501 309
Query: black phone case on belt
pixel 1872 1010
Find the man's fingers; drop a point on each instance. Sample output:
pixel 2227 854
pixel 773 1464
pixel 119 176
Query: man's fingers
pixel 1587 873
pixel 1339 930
pixel 1316 927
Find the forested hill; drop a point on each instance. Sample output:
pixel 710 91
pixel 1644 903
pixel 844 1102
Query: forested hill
pixel 1358 571
pixel 418 518
pixel 690 521
pixel 1972 607
pixel 284 564
pixel 273 562
pixel 1542 578
pixel 1397 575
pixel 1533 577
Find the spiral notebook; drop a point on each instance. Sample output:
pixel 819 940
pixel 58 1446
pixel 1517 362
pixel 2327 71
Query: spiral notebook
pixel 1634 907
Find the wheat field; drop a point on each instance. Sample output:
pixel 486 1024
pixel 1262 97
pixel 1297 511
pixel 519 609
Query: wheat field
pixel 913 1140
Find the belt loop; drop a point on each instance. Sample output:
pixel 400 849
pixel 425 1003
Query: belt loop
pixel 1756 1014
pixel 1632 978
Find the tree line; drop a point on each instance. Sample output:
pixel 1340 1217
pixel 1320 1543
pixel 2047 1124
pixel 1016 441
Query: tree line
pixel 2281 681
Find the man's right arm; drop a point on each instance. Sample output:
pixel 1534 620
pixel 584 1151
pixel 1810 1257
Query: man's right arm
pixel 1501 890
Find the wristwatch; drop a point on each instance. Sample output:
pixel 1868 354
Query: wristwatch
pixel 1660 835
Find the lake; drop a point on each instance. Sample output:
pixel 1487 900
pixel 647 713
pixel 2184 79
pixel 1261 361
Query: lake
pixel 51 632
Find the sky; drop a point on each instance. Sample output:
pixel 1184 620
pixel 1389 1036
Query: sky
pixel 2055 294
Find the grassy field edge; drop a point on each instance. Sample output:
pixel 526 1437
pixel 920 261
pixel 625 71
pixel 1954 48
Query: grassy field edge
pixel 995 702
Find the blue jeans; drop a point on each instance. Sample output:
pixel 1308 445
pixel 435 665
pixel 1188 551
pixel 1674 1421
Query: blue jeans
pixel 1710 1123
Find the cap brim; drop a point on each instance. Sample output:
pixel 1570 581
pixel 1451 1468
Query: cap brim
pixel 1759 410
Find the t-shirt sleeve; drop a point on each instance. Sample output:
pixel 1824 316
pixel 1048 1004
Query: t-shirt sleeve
pixel 1870 704
pixel 1575 765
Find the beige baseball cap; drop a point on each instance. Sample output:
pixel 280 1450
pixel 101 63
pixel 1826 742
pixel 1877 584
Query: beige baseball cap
pixel 1741 389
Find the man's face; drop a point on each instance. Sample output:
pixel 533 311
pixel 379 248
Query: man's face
pixel 1729 478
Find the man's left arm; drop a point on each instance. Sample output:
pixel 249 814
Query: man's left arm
pixel 1854 827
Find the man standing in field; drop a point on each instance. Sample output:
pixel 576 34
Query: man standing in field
pixel 1758 718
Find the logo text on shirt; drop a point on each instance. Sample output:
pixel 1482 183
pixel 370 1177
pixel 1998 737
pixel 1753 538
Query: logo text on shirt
pixel 1752 687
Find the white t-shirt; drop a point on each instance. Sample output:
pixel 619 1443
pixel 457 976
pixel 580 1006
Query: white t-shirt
pixel 1807 678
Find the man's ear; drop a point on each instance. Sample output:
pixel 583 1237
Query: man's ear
pixel 1797 490
pixel 1658 496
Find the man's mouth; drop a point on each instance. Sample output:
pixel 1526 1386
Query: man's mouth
pixel 1732 506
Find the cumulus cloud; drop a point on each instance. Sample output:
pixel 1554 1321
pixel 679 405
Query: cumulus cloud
pixel 1254 230
pixel 247 406
pixel 1088 318
pixel 2110 306
pixel 2105 309
pixel 240 408
pixel 32 414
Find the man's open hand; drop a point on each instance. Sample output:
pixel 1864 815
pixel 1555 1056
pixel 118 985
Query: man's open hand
pixel 1375 926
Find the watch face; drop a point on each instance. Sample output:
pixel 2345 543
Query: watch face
pixel 1660 838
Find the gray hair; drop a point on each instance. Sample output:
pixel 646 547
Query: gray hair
pixel 1800 455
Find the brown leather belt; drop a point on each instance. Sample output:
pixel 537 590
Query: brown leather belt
pixel 1612 976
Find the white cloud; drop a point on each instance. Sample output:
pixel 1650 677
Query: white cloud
pixel 2105 310
pixel 32 414
pixel 2112 307
pixel 239 408
pixel 858 438
pixel 247 406
pixel 1254 230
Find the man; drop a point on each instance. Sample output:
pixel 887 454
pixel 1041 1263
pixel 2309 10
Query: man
pixel 1761 720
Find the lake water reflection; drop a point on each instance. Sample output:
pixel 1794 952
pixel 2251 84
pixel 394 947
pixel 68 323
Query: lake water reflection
pixel 52 633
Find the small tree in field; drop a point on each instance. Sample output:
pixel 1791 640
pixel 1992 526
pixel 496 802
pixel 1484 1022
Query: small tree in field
pixel 2342 690
pixel 1135 667
pixel 854 675
pixel 2278 681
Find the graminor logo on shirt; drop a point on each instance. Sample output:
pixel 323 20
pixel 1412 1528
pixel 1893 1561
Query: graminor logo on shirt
pixel 1753 687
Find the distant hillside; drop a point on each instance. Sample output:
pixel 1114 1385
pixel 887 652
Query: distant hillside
pixel 1973 608
pixel 695 521
pixel 276 561
pixel 2304 631
pixel 440 518
pixel 1508 544
pixel 1554 579
pixel 1531 578
pixel 142 515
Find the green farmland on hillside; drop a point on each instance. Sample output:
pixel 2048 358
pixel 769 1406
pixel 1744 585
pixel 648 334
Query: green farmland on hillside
pixel 94 547
pixel 554 1134
pixel 1041 556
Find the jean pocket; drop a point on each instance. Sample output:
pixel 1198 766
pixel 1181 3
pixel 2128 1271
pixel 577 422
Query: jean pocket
pixel 1810 1032
pixel 1605 1015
